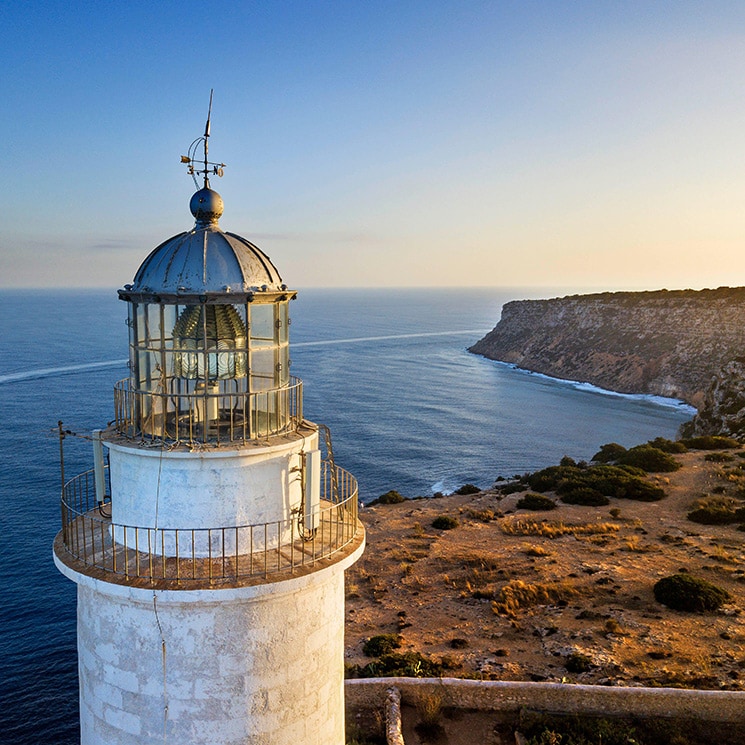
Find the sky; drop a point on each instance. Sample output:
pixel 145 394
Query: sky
pixel 405 143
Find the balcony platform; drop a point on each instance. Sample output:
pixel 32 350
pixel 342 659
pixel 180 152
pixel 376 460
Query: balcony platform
pixel 96 555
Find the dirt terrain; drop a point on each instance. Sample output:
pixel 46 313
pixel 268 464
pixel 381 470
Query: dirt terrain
pixel 587 575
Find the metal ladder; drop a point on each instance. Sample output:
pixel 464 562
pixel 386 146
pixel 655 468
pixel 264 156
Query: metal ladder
pixel 326 432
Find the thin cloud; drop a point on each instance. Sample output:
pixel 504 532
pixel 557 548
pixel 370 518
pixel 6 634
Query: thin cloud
pixel 329 236
pixel 112 244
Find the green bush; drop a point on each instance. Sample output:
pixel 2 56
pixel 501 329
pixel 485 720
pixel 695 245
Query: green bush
pixel 467 489
pixel 511 488
pixel 390 497
pixel 686 593
pixel 398 664
pixel 712 516
pixel 444 522
pixel 381 644
pixel 643 491
pixel 611 451
pixel 577 662
pixel 711 442
pixel 533 501
pixel 650 459
pixel 716 514
pixel 668 446
pixel 718 457
pixel 622 482
pixel 573 729
pixel 584 495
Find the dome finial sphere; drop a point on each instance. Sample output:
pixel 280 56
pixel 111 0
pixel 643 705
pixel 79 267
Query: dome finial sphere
pixel 207 206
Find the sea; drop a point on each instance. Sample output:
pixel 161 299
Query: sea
pixel 387 370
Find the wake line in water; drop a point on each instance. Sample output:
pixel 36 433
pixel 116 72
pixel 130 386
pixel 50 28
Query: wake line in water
pixel 49 372
pixel 358 339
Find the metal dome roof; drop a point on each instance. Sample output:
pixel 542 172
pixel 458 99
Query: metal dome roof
pixel 205 263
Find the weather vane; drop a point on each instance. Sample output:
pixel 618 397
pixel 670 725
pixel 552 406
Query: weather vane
pixel 216 169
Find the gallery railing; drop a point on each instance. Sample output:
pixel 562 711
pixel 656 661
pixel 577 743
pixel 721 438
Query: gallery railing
pixel 213 414
pixel 183 557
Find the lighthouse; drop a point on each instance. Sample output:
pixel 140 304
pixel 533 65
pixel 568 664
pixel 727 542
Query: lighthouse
pixel 209 540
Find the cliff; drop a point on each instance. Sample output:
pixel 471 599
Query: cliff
pixel 723 408
pixel 668 343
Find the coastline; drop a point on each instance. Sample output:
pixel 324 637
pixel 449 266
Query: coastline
pixel 580 385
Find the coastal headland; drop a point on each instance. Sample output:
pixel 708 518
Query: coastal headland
pixel 666 342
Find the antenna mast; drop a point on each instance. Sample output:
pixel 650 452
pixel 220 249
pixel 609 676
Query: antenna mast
pixel 206 140
pixel 191 159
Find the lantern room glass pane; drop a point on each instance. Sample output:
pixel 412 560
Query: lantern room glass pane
pixel 207 371
pixel 283 322
pixel 262 323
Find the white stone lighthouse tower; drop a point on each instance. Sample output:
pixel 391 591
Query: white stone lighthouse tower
pixel 209 553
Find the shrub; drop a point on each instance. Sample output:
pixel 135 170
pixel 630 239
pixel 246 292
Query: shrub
pixel 611 451
pixel 576 662
pixel 712 515
pixel 711 442
pixel 686 593
pixel 650 459
pixel 568 729
pixel 390 497
pixel 643 491
pixel 718 457
pixel 567 461
pixel 623 482
pixel 458 643
pixel 511 488
pixel 532 501
pixel 467 489
pixel 668 446
pixel 381 644
pixel 444 522
pixel 585 495
pixel 398 664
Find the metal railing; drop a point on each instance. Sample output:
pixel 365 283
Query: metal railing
pixel 207 415
pixel 182 557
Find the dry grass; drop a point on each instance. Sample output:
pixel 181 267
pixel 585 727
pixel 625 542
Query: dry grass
pixel 632 543
pixel 429 707
pixel 353 590
pixel 517 595
pixel 533 549
pixel 720 553
pixel 474 559
pixel 484 516
pixel 520 526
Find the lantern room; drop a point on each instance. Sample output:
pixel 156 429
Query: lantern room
pixel 208 340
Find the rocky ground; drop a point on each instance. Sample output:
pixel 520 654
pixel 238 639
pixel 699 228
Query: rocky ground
pixel 580 578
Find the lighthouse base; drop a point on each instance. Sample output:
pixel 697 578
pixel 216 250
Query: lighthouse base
pixel 236 665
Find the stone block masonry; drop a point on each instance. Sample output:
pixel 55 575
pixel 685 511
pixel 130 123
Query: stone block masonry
pixel 231 666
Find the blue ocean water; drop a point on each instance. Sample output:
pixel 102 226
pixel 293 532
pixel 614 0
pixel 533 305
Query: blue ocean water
pixel 386 370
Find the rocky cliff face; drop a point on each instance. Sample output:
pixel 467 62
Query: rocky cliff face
pixel 723 409
pixel 668 343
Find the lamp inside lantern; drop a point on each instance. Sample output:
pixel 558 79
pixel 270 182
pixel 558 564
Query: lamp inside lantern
pixel 209 343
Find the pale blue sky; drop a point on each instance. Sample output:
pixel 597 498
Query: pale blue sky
pixel 577 144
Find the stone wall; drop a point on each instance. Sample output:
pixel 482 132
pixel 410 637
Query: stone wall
pixel 721 706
